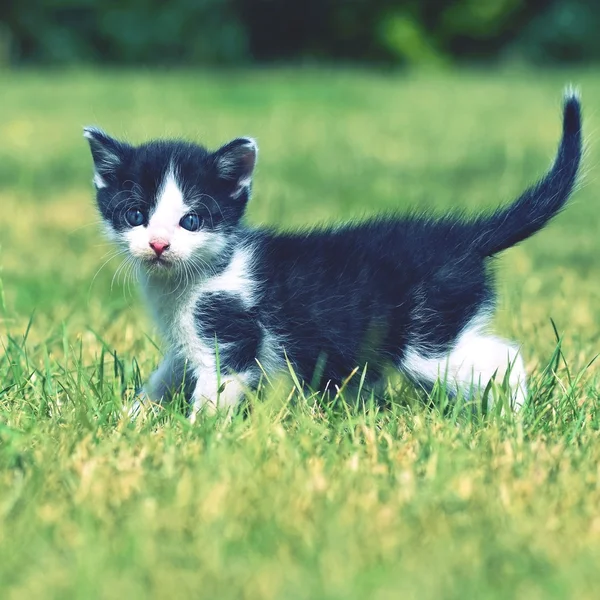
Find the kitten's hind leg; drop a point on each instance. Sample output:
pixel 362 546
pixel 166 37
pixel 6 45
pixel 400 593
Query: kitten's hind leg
pixel 468 367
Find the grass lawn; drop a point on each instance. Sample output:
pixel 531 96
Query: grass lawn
pixel 301 499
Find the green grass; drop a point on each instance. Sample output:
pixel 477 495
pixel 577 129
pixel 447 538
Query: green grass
pixel 301 499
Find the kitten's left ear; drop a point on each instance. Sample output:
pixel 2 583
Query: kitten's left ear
pixel 108 154
pixel 235 164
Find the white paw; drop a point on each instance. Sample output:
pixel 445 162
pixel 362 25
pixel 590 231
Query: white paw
pixel 141 406
pixel 204 407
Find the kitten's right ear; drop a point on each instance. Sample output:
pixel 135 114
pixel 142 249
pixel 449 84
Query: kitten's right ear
pixel 108 154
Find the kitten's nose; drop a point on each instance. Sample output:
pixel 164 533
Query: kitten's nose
pixel 159 246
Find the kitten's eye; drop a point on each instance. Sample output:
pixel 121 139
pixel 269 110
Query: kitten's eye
pixel 191 222
pixel 134 217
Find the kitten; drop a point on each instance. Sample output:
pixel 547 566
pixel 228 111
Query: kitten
pixel 414 292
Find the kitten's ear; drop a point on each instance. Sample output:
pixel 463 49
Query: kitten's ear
pixel 235 164
pixel 108 154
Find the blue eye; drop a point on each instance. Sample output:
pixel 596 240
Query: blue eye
pixel 191 222
pixel 134 217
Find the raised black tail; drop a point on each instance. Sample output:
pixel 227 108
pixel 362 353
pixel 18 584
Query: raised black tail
pixel 537 205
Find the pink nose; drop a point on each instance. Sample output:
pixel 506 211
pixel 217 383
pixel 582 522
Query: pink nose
pixel 159 246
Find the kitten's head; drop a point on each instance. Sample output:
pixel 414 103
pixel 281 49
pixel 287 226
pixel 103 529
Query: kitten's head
pixel 171 203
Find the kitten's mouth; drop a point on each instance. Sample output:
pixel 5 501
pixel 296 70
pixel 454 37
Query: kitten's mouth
pixel 159 262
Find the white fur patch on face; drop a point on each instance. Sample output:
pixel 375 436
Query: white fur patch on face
pixel 170 207
pixel 163 225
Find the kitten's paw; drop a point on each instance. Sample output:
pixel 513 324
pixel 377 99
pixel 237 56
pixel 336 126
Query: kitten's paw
pixel 200 409
pixel 134 410
pixel 209 409
pixel 141 406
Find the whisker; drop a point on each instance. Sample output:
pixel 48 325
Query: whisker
pixel 117 273
pixel 112 256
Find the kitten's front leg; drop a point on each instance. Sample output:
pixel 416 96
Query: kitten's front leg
pixel 170 377
pixel 213 392
pixel 227 335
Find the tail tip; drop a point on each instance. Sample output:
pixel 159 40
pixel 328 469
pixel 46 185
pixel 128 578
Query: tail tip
pixel 571 110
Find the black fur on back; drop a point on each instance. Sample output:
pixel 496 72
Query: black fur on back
pixel 367 292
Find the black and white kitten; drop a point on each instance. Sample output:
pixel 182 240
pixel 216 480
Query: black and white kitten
pixel 414 292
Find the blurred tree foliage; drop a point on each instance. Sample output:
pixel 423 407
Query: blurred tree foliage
pixel 129 31
pixel 198 32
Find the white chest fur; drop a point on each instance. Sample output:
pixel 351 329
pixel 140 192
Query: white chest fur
pixel 176 303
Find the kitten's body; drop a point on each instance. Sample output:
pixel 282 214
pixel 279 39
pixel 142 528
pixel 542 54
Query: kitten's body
pixel 413 292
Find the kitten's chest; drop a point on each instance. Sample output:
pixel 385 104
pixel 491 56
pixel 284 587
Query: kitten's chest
pixel 175 312
pixel 172 309
pixel 180 308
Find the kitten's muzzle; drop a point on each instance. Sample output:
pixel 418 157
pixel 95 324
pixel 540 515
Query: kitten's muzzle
pixel 159 246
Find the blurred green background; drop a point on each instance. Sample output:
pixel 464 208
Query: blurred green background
pixel 241 32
